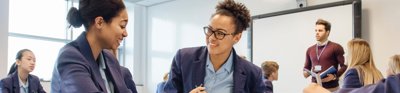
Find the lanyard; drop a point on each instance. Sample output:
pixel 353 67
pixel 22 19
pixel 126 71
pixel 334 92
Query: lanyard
pixel 316 49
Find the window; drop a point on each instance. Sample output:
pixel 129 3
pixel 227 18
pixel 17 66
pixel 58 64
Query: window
pixel 41 26
pixel 45 51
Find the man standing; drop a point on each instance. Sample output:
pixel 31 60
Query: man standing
pixel 324 54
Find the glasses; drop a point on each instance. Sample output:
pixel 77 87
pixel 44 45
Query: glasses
pixel 219 33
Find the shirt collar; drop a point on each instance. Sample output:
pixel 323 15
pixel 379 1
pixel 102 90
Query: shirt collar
pixel 21 84
pixel 102 64
pixel 322 43
pixel 227 66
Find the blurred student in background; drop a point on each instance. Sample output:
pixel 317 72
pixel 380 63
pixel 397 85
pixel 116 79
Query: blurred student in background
pixel 394 65
pixel 19 80
pixel 160 86
pixel 270 69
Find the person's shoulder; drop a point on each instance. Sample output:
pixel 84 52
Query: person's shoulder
pixel 7 80
pixel 124 70
pixel 69 50
pixel 334 44
pixel 352 72
pixel 191 50
pixel 34 78
pixel 311 47
pixel 248 65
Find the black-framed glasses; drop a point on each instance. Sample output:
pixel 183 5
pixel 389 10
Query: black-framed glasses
pixel 219 33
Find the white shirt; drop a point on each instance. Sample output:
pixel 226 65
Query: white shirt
pixel 322 43
pixel 102 66
pixel 23 88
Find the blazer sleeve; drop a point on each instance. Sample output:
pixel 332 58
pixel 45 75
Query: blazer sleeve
pixel 351 79
pixel 128 79
pixel 174 83
pixel 36 81
pixel 41 90
pixel 389 85
pixel 260 86
pixel 269 86
pixel 4 86
pixel 75 74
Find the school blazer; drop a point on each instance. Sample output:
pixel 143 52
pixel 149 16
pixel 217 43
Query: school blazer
pixel 188 71
pixel 388 85
pixel 76 70
pixel 10 84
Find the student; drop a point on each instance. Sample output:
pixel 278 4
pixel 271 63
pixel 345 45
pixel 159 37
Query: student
pixel 323 55
pixel 19 80
pixel 161 85
pixel 270 69
pixel 388 85
pixel 394 65
pixel 216 68
pixel 362 70
pixel 84 65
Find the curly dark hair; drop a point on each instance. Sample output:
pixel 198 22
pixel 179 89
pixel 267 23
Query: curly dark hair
pixel 237 11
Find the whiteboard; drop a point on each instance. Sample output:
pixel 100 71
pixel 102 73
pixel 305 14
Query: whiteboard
pixel 285 39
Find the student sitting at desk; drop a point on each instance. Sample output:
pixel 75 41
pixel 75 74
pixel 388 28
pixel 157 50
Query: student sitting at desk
pixel 362 70
pixel 19 80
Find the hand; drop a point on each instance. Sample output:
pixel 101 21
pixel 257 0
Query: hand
pixel 330 77
pixel 199 89
pixel 305 73
pixel 315 88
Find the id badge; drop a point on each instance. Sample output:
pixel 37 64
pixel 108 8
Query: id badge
pixel 317 68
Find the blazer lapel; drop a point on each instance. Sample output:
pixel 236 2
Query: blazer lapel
pixel 239 74
pixel 199 68
pixel 15 82
pixel 32 85
pixel 116 76
pixel 84 47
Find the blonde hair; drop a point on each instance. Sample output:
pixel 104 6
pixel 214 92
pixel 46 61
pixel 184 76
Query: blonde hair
pixel 165 78
pixel 269 67
pixel 362 60
pixel 394 64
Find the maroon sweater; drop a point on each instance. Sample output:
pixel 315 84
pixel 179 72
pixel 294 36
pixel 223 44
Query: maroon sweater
pixel 331 56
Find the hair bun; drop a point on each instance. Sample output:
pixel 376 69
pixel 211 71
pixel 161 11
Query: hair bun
pixel 239 11
pixel 74 18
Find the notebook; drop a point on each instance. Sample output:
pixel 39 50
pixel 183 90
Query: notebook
pixel 330 70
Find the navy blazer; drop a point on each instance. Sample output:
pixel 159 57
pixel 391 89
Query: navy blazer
pixel 76 70
pixel 128 79
pixel 388 85
pixel 189 66
pixel 10 84
pixel 270 87
pixel 351 79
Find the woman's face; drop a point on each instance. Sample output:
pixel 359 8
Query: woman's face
pixel 226 25
pixel 114 32
pixel 27 61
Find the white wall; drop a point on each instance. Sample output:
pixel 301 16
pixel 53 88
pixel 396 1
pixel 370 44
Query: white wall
pixel 4 7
